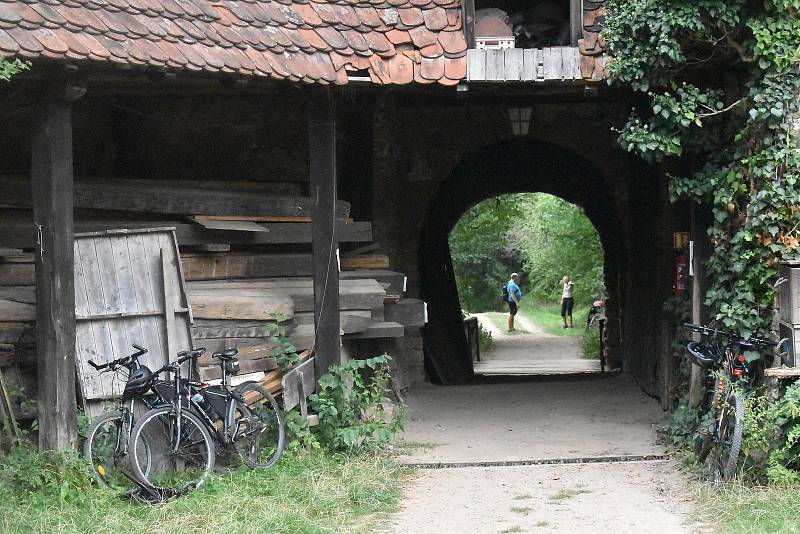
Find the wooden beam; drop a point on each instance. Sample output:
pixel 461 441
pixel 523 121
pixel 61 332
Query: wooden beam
pixel 324 238
pixel 24 235
pixel 142 196
pixel 51 187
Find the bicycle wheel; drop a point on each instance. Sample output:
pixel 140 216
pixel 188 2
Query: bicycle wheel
pixel 728 438
pixel 182 454
pixel 105 451
pixel 260 433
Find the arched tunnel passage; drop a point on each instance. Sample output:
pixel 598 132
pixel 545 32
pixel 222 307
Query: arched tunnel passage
pixel 512 166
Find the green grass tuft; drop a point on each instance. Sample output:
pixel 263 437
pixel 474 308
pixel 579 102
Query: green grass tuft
pixel 525 510
pixel 548 317
pixel 565 494
pixel 738 509
pixel 316 493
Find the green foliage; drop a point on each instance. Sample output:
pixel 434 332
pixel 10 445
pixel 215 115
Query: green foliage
pixel 10 68
pixel 590 343
pixel 314 493
pixel 557 239
pixel 681 427
pixel 547 236
pixel 484 339
pixel 60 475
pixel 484 251
pixel 352 407
pixel 723 82
pixel 284 352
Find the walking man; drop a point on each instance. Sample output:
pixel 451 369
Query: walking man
pixel 566 302
pixel 514 296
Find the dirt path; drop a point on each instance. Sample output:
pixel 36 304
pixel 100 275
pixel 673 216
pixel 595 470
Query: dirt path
pixel 474 429
pixel 531 351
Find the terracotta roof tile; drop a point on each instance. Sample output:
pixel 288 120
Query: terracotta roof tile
pixel 591 46
pixel 7 44
pixel 313 41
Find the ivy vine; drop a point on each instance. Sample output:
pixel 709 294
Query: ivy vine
pixel 722 86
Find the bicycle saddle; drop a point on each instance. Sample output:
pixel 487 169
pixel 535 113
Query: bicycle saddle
pixel 191 353
pixel 227 354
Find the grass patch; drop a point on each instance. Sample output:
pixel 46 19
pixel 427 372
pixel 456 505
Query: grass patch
pixel 523 497
pixel 525 510
pixel 548 317
pixel 738 509
pixel 542 524
pixel 318 493
pixel 565 494
pixel 511 530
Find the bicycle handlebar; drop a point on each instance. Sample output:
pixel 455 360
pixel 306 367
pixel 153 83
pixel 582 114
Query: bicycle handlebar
pixel 706 331
pixel 124 361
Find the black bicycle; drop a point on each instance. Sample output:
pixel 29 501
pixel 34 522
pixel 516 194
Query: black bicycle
pixel 185 435
pixel 108 436
pixel 722 353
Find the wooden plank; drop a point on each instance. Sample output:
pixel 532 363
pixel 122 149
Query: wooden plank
pixel 49 191
pixel 17 274
pixel 495 65
pixel 169 306
pixel 325 239
pixel 567 62
pixel 407 312
pixel 241 304
pixel 782 372
pixel 142 196
pixel 17 311
pixel 514 64
pixel 528 64
pixel 14 331
pixel 539 62
pixel 351 297
pixel 476 65
pixel 231 226
pixel 252 218
pixel 380 330
pixel 242 265
pixel 24 235
pixel 361 250
pixel 392 281
pixel 576 64
pixel 350 321
pixel 213 372
pixel 298 383
pixel 215 328
pixel 148 297
pixel 378 261
pixel 552 63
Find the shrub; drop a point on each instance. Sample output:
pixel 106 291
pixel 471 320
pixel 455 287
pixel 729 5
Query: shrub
pixel 51 474
pixel 352 407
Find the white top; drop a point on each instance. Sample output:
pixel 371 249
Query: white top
pixel 567 293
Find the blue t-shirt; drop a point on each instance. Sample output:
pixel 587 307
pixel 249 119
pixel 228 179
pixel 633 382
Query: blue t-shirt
pixel 513 289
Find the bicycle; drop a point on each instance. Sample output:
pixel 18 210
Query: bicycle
pixel 723 355
pixel 202 418
pixel 108 436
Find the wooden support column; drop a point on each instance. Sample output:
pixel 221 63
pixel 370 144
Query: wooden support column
pixel 699 286
pixel 52 185
pixel 324 241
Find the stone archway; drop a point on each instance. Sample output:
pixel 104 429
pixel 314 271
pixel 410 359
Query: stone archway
pixel 510 166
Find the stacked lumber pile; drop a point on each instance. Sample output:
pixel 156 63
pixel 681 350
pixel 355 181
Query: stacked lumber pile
pixel 238 313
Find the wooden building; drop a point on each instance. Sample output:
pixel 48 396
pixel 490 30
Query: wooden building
pixel 336 127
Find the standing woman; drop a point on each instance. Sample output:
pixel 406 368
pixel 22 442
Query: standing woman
pixel 566 302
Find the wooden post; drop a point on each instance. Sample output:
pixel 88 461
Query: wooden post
pixel 324 242
pixel 699 312
pixel 52 185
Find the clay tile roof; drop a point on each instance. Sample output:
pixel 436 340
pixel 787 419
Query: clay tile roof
pixel 311 41
pixel 593 61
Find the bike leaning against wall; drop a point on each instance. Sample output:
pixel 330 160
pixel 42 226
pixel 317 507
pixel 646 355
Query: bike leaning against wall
pixel 722 354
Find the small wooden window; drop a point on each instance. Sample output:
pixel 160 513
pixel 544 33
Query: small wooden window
pixel 533 23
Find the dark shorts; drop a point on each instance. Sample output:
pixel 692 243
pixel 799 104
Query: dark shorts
pixel 512 307
pixel 566 306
